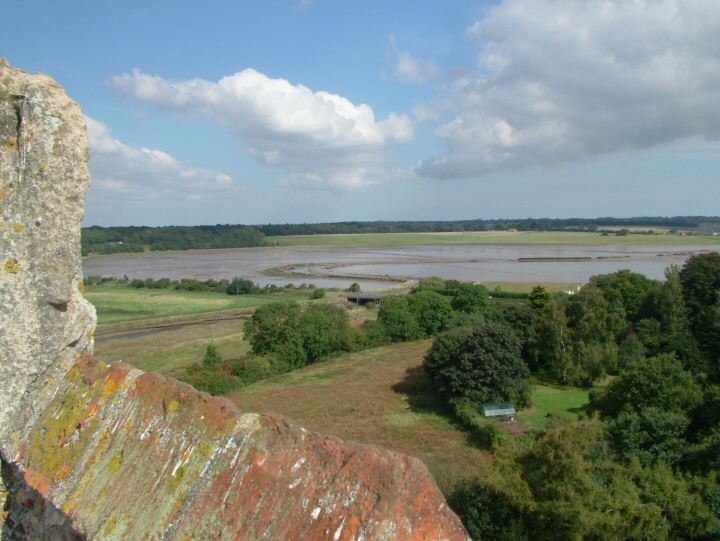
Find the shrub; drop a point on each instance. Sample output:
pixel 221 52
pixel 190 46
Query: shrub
pixel 212 357
pixel 318 293
pixel 241 286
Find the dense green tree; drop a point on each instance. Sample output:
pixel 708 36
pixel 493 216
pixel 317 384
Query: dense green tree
pixel 487 513
pixel 354 288
pixel 591 318
pixel 522 319
pixel 272 326
pixel 565 483
pixel 630 290
pixel 485 366
pixel 630 350
pixel 700 278
pixel 649 332
pixel 650 435
pixel 323 331
pixel 432 310
pixel 441 357
pixel 399 320
pixel 470 298
pixel 539 298
pixel 658 382
pixel 552 345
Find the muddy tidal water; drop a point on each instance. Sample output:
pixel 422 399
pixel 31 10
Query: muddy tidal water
pixel 377 268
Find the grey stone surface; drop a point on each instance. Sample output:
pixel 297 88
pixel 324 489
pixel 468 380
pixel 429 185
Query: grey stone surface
pixel 45 323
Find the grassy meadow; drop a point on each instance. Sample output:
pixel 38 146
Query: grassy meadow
pixel 121 307
pixel 379 396
pixel 169 351
pixel 559 401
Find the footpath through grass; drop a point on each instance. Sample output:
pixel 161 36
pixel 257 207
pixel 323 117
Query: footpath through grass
pixel 490 237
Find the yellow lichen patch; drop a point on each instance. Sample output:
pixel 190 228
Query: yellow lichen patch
pixel 116 462
pixel 109 388
pixel 12 266
pixel 110 526
pixel 63 472
pixel 173 406
pixel 175 480
pixel 43 166
pixel 205 450
pixel 82 288
pixel 11 143
pixel 75 372
pixel 18 228
pixel 3 193
pixel 179 503
pixel 55 450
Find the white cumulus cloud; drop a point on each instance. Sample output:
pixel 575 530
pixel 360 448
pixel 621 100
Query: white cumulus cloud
pixel 564 80
pixel 123 172
pixel 313 134
pixel 413 70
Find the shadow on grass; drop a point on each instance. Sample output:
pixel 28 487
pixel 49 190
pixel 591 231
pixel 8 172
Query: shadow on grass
pixel 424 399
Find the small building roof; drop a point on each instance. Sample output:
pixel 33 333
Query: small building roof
pixel 359 297
pixel 497 410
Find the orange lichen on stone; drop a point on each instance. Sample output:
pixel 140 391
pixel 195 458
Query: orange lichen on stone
pixel 212 472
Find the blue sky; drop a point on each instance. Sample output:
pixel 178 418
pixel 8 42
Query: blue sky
pixel 289 111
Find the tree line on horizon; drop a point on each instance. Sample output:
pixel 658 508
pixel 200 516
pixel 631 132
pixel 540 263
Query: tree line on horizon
pixel 129 239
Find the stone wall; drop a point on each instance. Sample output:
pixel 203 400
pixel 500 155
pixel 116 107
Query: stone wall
pixel 108 452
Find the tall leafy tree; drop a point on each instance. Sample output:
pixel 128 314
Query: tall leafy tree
pixel 485 366
pixel 700 278
pixel 539 298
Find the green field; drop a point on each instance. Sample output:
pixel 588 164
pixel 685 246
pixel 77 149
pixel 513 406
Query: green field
pixel 561 401
pixel 120 306
pixel 169 351
pixel 526 287
pixel 489 237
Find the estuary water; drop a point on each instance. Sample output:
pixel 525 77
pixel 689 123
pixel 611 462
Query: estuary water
pixel 378 268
